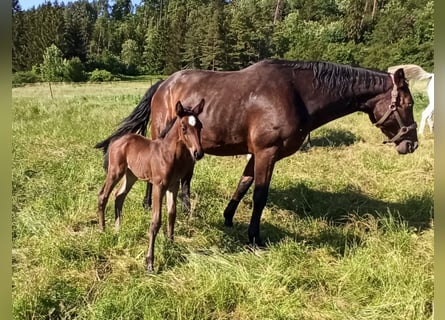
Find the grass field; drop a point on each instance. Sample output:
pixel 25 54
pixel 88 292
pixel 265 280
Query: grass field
pixel 349 225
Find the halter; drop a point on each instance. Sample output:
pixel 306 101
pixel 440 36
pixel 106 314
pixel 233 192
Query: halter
pixel 393 108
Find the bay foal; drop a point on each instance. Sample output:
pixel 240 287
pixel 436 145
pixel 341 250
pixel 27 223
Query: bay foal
pixel 163 162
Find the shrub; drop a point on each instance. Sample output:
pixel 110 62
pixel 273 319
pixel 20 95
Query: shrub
pixel 22 77
pixel 106 61
pixel 75 70
pixel 101 75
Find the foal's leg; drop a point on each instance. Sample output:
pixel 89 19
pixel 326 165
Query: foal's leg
pixel 158 193
pixel 127 183
pixel 146 203
pixel 112 178
pixel 264 165
pixel 171 196
pixel 243 185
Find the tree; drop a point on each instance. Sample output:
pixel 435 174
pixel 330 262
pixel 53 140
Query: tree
pixel 214 50
pixel 130 55
pixel 79 22
pixel 44 27
pixel 155 48
pixel 53 66
pixel 121 10
pixel 19 62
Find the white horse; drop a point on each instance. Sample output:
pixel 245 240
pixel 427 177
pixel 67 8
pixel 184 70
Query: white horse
pixel 414 72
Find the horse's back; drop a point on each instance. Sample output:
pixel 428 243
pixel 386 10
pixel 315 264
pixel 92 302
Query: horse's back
pixel 132 150
pixel 243 108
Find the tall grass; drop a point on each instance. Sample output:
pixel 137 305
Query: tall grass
pixel 348 225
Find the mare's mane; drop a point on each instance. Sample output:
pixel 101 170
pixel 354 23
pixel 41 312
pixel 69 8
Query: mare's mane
pixel 167 128
pixel 187 112
pixel 336 78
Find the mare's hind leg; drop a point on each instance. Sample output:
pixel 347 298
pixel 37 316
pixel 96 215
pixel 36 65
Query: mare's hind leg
pixel 111 180
pixel 243 185
pixel 171 196
pixel 127 183
pixel 185 191
pixel 146 203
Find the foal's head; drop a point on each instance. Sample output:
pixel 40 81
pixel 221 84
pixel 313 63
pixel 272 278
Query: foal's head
pixel 190 132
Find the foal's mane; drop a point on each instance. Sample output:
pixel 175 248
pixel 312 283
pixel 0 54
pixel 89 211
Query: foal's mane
pixel 338 79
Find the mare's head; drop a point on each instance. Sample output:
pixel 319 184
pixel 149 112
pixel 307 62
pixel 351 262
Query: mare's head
pixel 190 131
pixel 394 115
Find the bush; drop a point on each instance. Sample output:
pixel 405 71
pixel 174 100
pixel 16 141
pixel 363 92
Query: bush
pixel 105 61
pixel 22 77
pixel 75 70
pixel 101 75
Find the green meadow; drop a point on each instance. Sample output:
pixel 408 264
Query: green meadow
pixel 348 224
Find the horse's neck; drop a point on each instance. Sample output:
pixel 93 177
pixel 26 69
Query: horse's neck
pixel 171 145
pixel 359 98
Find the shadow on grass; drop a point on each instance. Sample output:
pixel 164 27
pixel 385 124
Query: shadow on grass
pixel 334 138
pixel 336 208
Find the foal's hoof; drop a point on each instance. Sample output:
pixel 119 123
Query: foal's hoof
pixel 150 268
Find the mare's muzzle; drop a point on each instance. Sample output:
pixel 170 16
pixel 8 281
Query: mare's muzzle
pixel 402 139
pixel 406 146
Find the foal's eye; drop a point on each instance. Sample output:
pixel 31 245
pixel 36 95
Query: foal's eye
pixel 184 129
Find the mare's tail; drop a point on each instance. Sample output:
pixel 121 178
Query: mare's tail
pixel 137 121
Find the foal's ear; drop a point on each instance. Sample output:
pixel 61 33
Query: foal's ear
pixel 399 78
pixel 179 109
pixel 198 108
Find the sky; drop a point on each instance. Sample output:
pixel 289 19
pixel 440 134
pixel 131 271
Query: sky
pixel 28 4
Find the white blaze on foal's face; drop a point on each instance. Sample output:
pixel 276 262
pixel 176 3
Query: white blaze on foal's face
pixel 192 121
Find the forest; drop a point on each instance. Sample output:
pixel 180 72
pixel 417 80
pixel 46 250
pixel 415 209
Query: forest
pixel 110 39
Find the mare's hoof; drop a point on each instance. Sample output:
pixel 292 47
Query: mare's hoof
pixel 228 223
pixel 146 206
pixel 255 243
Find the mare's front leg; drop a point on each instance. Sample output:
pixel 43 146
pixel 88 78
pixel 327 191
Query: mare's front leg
pixel 243 185
pixel 264 165
pixel 171 196
pixel 185 191
pixel 158 194
pixel 146 203
pixel 121 194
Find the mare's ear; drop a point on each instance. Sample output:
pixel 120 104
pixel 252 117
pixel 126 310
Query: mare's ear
pixel 198 108
pixel 179 109
pixel 399 78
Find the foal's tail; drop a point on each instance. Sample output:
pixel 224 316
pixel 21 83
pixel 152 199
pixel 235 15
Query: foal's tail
pixel 137 121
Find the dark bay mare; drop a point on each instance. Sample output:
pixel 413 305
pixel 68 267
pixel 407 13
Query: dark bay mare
pixel 163 162
pixel 268 108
